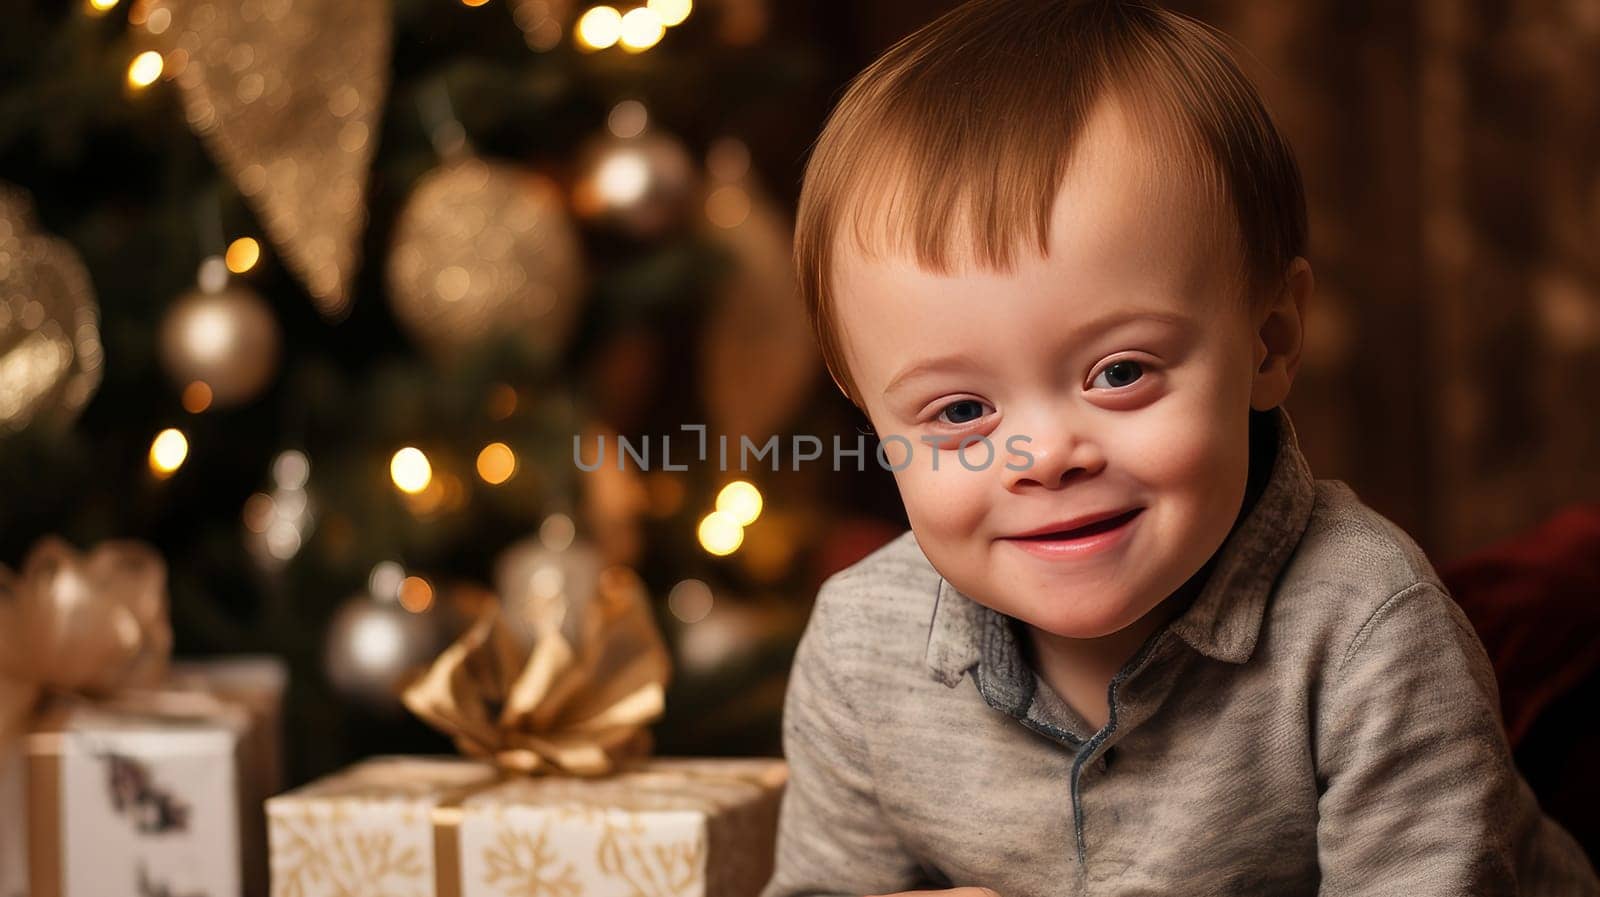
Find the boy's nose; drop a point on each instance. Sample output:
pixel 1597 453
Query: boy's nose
pixel 1058 456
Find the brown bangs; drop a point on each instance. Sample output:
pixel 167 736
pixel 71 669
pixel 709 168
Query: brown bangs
pixel 950 148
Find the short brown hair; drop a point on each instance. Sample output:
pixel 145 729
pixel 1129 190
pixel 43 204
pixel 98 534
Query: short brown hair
pixel 991 96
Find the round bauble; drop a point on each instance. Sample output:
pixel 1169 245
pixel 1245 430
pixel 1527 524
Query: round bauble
pixel 227 339
pixel 373 647
pixel 486 250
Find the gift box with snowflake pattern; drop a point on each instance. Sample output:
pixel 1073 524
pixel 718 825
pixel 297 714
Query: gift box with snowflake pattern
pixel 450 827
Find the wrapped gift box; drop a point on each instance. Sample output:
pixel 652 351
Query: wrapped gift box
pixel 13 830
pixel 449 827
pixel 118 802
pixel 256 684
pixel 213 730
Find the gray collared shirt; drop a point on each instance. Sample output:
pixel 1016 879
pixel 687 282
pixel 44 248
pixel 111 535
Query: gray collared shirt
pixel 1321 719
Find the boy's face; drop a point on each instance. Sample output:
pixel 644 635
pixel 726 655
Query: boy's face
pixel 1145 413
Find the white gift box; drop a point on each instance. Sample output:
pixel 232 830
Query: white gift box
pixel 447 827
pixel 117 802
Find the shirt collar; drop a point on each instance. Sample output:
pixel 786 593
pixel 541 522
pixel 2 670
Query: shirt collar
pixel 1223 621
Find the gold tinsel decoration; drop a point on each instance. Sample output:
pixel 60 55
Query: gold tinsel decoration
pixel 50 352
pixel 286 95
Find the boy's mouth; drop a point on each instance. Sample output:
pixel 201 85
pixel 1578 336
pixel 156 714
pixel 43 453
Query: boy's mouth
pixel 1067 531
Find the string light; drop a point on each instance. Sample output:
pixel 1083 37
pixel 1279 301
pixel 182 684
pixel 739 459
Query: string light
pixel 496 463
pixel 410 470
pixel 720 533
pixel 101 6
pixel 740 500
pixel 623 178
pixel 416 595
pixel 557 532
pixel 196 397
pixel 628 119
pixel 242 255
pixel 144 69
pixel 690 600
pixel 167 452
pixel 641 29
pixel 671 12
pixel 599 28
pixel 385 580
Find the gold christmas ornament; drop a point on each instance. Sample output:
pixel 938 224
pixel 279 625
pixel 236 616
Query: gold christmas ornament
pixel 286 95
pixel 758 323
pixel 574 699
pixel 89 624
pixel 50 352
pixel 641 184
pixel 483 249
pixel 374 645
pixel 227 339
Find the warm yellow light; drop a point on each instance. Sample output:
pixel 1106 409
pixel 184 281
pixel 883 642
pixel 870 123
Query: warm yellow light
pixel 99 6
pixel 168 452
pixel 740 500
pixel 720 533
pixel 144 69
pixel 473 2
pixel 243 254
pixel 599 28
pixel 623 177
pixel 196 397
pixel 671 12
pixel 416 595
pixel 410 470
pixel 496 463
pixel 641 29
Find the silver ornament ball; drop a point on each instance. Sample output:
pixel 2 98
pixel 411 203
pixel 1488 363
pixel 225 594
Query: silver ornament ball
pixel 227 339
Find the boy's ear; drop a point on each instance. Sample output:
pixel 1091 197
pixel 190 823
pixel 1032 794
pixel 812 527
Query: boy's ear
pixel 1279 336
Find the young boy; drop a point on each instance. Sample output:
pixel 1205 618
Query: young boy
pixel 1141 650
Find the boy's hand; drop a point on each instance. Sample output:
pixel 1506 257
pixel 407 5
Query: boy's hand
pixel 948 892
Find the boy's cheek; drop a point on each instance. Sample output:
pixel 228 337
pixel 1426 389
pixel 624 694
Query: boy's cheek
pixel 950 484
pixel 943 504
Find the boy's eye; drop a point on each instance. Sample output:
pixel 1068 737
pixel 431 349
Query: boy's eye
pixel 1120 373
pixel 956 409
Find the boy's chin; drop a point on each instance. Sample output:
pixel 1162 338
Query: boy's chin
pixel 1077 622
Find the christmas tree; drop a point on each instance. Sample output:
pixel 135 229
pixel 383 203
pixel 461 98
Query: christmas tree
pixel 327 301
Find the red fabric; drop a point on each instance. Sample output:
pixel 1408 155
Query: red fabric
pixel 1535 600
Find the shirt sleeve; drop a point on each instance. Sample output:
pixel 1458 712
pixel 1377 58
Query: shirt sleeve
pixel 1418 792
pixel 833 840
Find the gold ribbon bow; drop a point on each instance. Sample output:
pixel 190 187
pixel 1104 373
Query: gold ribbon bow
pixel 567 684
pixel 93 625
